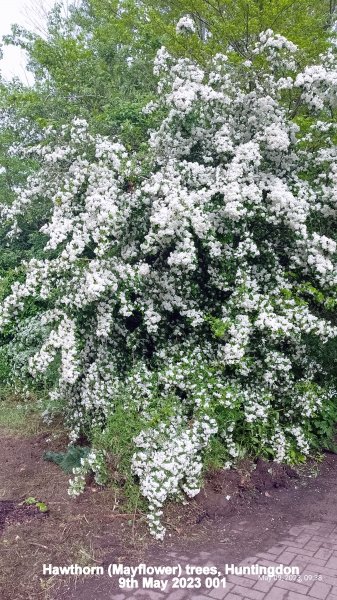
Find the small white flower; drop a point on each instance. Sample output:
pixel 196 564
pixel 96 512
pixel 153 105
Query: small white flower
pixel 185 25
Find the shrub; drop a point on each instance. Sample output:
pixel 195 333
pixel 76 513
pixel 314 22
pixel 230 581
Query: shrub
pixel 184 286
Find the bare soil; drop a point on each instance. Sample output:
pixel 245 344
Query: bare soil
pixel 238 513
pixel 14 512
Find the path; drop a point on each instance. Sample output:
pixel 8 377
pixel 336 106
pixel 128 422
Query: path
pixel 312 548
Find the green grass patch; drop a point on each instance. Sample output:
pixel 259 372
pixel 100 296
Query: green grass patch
pixel 20 416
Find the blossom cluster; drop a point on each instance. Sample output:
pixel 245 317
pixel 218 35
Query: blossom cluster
pixel 94 462
pixel 169 461
pixel 185 25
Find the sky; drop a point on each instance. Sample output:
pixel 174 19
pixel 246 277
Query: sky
pixel 28 13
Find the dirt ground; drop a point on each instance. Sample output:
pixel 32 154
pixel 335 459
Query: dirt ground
pixel 240 512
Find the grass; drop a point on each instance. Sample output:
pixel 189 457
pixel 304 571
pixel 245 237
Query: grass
pixel 19 416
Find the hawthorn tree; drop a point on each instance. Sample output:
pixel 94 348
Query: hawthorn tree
pixel 182 287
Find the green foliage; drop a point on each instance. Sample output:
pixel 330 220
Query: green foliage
pixel 232 24
pixel 219 327
pixel 41 506
pixel 323 427
pixel 30 501
pixel 117 441
pixel 215 455
pixel 68 460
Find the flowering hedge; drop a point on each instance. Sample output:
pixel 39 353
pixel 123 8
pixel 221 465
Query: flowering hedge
pixel 186 287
